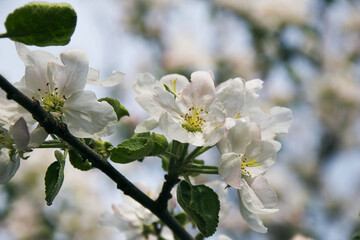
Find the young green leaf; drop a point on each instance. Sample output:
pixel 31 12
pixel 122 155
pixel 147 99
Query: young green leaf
pixel 202 204
pixel 139 146
pixel 356 236
pixel 54 178
pixel 78 162
pixel 160 144
pixel 131 149
pixel 119 109
pixel 41 24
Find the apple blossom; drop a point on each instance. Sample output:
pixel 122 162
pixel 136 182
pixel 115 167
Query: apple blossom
pixel 144 87
pixel 240 99
pixel 60 90
pixel 12 141
pixel 243 155
pixel 193 116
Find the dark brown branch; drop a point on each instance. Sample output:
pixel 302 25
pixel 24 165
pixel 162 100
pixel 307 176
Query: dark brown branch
pixel 54 126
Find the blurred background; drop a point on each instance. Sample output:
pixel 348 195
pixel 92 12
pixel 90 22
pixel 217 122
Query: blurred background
pixel 307 53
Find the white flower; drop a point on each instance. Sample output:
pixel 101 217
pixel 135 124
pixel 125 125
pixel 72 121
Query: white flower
pixel 256 197
pixel 144 87
pixel 192 116
pixel 240 99
pixel 59 88
pixel 11 142
pixel 243 155
pixel 130 218
pixel 9 164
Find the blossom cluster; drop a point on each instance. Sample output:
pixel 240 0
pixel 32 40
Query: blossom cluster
pixel 59 88
pixel 229 116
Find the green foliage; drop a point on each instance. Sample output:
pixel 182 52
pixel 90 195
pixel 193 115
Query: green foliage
pixel 78 162
pixel 41 24
pixel 54 178
pixel 356 236
pixel 138 147
pixel 202 204
pixel 102 147
pixel 119 109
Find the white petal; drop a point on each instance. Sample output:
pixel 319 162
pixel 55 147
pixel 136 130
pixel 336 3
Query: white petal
pixel 254 85
pixel 8 167
pixel 255 131
pixel 175 82
pixel 263 191
pixel 20 134
pixel 22 51
pixel 201 90
pixel 252 219
pixel 223 237
pixel 144 82
pixel 239 136
pixel 71 77
pixel 86 117
pixel 147 101
pixel 251 200
pixel 147 125
pixel 37 136
pixel 93 75
pixel 232 95
pixel 36 67
pixel 230 169
pixel 114 79
pixel 168 101
pixel 262 152
pixel 282 119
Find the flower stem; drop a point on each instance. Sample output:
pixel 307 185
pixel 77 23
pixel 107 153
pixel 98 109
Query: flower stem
pixel 196 152
pixel 199 166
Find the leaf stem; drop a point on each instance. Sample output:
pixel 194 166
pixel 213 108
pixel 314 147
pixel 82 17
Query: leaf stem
pixel 203 171
pixel 199 166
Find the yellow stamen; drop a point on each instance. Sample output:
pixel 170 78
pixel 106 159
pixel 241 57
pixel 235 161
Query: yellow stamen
pixel 245 163
pixel 193 120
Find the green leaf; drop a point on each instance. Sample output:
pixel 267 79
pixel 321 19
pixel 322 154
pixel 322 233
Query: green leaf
pixel 356 236
pixel 119 109
pixel 202 204
pixel 160 144
pixel 54 178
pixel 131 149
pixel 78 162
pixel 41 24
pixel 139 146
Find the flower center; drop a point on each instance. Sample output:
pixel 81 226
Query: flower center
pixel 245 164
pixel 193 119
pixel 52 102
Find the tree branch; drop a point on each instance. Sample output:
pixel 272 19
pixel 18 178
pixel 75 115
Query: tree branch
pixel 54 126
